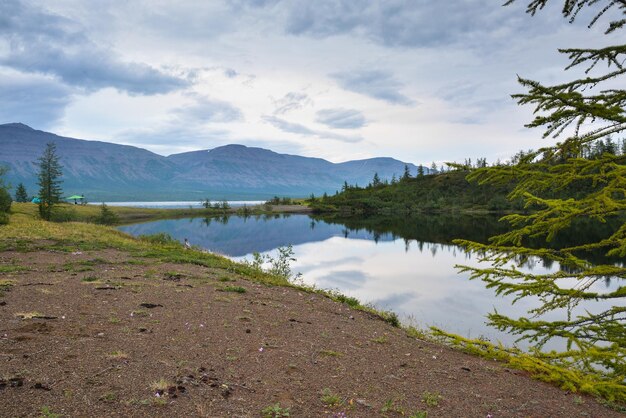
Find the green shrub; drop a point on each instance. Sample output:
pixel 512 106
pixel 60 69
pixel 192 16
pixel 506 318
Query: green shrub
pixel 236 289
pixel 160 238
pixel 64 214
pixel 4 218
pixel 5 200
pixel 107 216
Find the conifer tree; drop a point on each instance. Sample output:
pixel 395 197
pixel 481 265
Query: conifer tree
pixel 20 194
pixel 407 173
pixel 376 180
pixel 584 112
pixel 420 170
pixel 107 216
pixel 49 181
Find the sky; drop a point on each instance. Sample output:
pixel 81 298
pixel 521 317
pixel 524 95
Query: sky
pixel 417 80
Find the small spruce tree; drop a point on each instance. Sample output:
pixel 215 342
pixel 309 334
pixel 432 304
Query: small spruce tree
pixel 20 194
pixel 107 216
pixel 376 180
pixel 407 173
pixel 50 172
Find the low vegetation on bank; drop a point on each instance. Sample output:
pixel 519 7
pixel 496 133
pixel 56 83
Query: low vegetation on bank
pixel 118 215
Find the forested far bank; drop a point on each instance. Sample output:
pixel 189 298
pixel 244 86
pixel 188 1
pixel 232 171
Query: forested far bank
pixel 443 192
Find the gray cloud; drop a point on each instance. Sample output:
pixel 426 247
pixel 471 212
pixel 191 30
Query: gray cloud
pixel 173 136
pixel 34 100
pixel 187 126
pixel 296 128
pixel 341 118
pixel 291 101
pixel 208 110
pixel 407 23
pixel 41 42
pixel 373 83
pixel 475 101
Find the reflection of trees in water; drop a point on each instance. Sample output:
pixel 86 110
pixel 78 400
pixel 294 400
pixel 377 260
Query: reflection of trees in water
pixel 429 228
pixel 444 228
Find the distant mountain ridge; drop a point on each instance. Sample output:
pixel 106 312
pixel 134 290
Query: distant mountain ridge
pixel 112 172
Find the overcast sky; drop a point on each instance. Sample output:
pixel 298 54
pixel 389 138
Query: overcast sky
pixel 418 80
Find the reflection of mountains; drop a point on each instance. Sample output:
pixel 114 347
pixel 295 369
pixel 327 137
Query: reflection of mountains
pixel 236 236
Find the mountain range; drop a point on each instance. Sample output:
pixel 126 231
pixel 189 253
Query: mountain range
pixel 105 171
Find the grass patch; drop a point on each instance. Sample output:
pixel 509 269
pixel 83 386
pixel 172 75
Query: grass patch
pixel 330 399
pixel 235 289
pixel 161 238
pixel 350 301
pixel 431 398
pixel 420 334
pixel 12 268
pixel 330 353
pixel 275 411
pixel 118 355
pixel 109 397
pixel 380 340
pixel 89 279
pixel 46 412
pixel 6 284
pixel 160 386
pixel 391 318
pixel 159 402
pixel 391 405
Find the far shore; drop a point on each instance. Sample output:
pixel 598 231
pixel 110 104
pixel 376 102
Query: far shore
pixel 128 215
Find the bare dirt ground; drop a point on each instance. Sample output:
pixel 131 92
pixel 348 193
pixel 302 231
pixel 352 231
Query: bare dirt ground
pixel 101 333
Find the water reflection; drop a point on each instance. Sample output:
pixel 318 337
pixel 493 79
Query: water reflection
pixel 406 265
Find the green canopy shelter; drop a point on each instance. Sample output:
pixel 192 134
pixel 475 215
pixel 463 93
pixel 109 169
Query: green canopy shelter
pixel 76 198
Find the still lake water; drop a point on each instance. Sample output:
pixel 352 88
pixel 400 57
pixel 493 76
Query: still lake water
pixel 405 265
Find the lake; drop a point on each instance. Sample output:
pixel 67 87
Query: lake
pixel 406 265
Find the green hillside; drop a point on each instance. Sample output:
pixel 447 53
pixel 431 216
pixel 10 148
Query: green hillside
pixel 429 193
